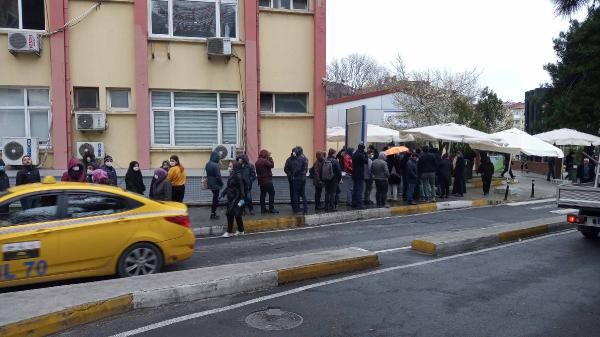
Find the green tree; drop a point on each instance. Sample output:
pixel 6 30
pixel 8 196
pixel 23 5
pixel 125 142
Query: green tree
pixel 568 7
pixel 491 112
pixel 573 98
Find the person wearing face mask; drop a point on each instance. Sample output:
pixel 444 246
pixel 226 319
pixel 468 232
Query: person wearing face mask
pixel 74 172
pixel 88 175
pixel 177 178
pixel 134 181
pixel 161 188
pixel 99 176
pixel 89 159
pixel 110 170
pixel 165 167
pixel 4 183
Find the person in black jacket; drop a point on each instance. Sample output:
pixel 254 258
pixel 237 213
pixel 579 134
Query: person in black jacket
pixel 486 169
pixel 4 185
pixel 214 182
pixel 331 186
pixel 234 192
pixel 444 172
pixel 359 159
pixel 459 175
pixel 551 164
pixel 507 167
pixel 298 169
pixel 134 181
pixel 427 166
pixel 28 175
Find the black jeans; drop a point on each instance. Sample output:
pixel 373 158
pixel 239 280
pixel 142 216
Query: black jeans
pixel 368 189
pixel 299 191
pixel 178 192
pixel 487 183
pixel 330 194
pixel 264 190
pixel 318 193
pixel 215 201
pixel 550 173
pixel 238 220
pixel 381 189
pixel 444 186
pixel 357 192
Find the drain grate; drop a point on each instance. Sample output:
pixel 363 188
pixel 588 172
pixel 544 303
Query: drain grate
pixel 274 319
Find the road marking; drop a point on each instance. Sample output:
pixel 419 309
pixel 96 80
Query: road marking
pixel 565 211
pixel 346 222
pixel 392 250
pixel 532 202
pixel 542 207
pixel 184 318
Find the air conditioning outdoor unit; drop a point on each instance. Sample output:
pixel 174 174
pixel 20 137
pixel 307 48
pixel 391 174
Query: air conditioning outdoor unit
pixel 90 121
pixel 226 151
pixel 219 46
pixel 96 148
pixel 24 42
pixel 14 148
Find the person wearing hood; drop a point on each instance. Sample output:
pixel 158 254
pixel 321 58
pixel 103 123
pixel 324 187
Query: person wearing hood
pixel 177 177
pixel 100 177
pixel 248 175
pixel 75 171
pixel 331 185
pixel 459 175
pixel 110 170
pixel 88 174
pixel 486 169
pixel 89 159
pixel 134 181
pixel 444 171
pixel 359 160
pixel 412 178
pixel 234 192
pixel 165 167
pixel 380 173
pixel 264 166
pixel 299 168
pixel 288 172
pixel 4 182
pixel 214 182
pixel 161 189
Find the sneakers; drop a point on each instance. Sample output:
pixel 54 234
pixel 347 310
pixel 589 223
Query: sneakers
pixel 226 235
pixel 238 233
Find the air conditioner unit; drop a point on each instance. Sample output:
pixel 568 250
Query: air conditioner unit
pixel 226 151
pixel 14 148
pixel 219 46
pixel 96 148
pixel 24 42
pixel 90 121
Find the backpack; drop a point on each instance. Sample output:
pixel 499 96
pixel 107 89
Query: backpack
pixel 327 170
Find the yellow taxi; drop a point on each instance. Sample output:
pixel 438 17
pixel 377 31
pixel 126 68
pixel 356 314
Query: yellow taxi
pixel 61 230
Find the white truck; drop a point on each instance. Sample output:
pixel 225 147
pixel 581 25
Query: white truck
pixel 586 199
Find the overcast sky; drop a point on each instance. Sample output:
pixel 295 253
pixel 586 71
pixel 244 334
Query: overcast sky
pixel 508 41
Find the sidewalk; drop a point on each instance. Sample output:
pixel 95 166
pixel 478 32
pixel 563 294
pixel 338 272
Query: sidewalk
pixel 519 190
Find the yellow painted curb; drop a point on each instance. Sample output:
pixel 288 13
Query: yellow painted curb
pixel 68 318
pixel 423 247
pixel 522 233
pixel 326 268
pixel 429 207
pixel 399 210
pixel 262 225
pixel 480 202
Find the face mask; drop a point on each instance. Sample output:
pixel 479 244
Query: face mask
pixel 88 159
pixel 136 169
pixel 89 172
pixel 76 169
pixel 108 164
pixel 2 168
pixel 156 176
pixel 294 154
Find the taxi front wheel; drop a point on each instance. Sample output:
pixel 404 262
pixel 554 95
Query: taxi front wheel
pixel 140 259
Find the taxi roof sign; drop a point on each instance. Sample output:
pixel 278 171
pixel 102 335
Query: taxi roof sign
pixel 49 180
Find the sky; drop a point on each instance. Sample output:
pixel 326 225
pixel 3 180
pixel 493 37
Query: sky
pixel 507 41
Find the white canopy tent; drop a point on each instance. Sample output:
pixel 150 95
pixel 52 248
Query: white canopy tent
pixel 375 134
pixel 517 141
pixel 450 132
pixel 568 137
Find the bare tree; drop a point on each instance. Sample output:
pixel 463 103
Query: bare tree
pixel 355 71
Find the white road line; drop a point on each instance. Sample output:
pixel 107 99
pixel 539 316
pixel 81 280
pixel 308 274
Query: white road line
pixel 184 318
pixel 346 222
pixel 565 211
pixel 391 250
pixel 542 207
pixel 532 202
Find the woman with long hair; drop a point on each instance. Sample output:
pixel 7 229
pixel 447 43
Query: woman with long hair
pixel 177 178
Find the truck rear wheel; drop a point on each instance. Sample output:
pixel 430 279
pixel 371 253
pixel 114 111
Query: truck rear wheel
pixel 590 233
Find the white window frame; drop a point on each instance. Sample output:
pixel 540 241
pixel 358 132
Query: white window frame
pixel 109 104
pixel 26 108
pixel 170 35
pixel 172 110
pixel 291 5
pixel 273 111
pixel 20 28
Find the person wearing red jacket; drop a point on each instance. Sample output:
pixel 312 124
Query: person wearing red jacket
pixel 348 169
pixel 264 175
pixel 75 171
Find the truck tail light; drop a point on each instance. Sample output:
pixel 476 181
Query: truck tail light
pixel 182 220
pixel 576 219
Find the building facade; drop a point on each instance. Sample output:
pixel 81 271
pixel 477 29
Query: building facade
pixel 142 68
pixel 517 111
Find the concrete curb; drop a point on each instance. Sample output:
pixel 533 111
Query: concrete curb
pixel 341 261
pixel 263 225
pixel 445 244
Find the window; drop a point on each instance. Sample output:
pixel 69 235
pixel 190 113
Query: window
pixel 118 99
pixel 283 103
pixel 25 113
pixel 86 99
pixel 22 14
pixel 194 18
pixel 88 204
pixel 29 209
pixel 285 4
pixel 186 118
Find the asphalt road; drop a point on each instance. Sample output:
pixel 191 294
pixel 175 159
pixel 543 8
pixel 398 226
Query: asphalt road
pixel 541 287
